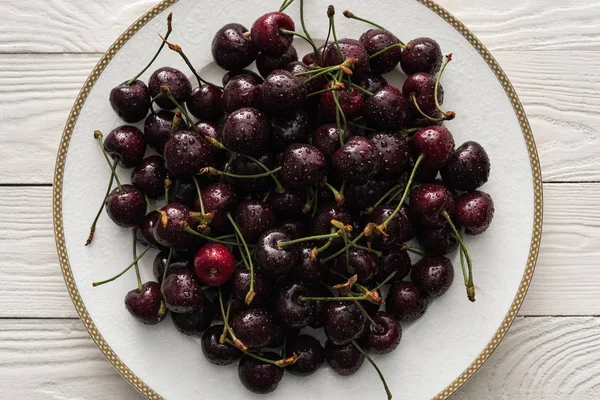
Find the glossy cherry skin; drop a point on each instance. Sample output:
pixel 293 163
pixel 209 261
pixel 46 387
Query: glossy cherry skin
pixel 427 202
pixel 351 101
pixel 289 310
pixel 126 143
pixel 375 40
pixel 214 264
pixel 373 83
pixel 205 103
pixel 345 360
pixel 475 211
pixel 437 240
pixel 289 203
pixel 231 74
pixel 127 207
pixel 218 199
pixel 422 86
pixel 360 262
pixel 231 50
pixel 186 153
pixel 421 55
pixel 405 302
pixel 157 129
pixel 289 129
pixel 320 224
pixel 215 352
pixel 181 292
pixel 294 228
pixel 254 327
pixel 266 34
pixel 343 321
pixel 272 260
pixel 149 176
pixel 244 166
pixel 146 305
pixel 172 234
pixel 145 231
pixel 392 152
pixel 183 190
pixel 468 168
pixel 178 262
pixel 259 376
pixel 241 91
pixel 433 275
pixel 387 109
pixel 193 324
pixel 241 285
pixel 361 196
pixel 384 337
pixel 307 270
pixel 397 261
pixel 436 144
pixel 282 92
pixel 326 139
pixel 302 165
pixel 246 131
pixel 268 62
pixel 312 355
pixel 179 86
pixel 253 218
pixel 313 85
pixel 350 49
pixel 357 160
pixel 130 102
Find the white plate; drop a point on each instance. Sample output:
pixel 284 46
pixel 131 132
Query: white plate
pixel 440 351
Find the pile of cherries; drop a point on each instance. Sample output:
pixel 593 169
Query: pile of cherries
pixel 288 199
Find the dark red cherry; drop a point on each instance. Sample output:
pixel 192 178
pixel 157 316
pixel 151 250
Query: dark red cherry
pixel 218 199
pixel 272 260
pixel 350 99
pixel 157 129
pixel 344 360
pixel 127 207
pixel 397 261
pixel 282 92
pixel 409 230
pixel 474 211
pixel 307 270
pixel 178 262
pixel 244 166
pixel 289 129
pixel 179 86
pixel 183 191
pixel 393 153
pixel 387 109
pixel 312 355
pixel 253 218
pixel 193 324
pixel 231 50
pixel 468 168
pixel 394 230
pixel 214 264
pixel 246 131
pixel 241 91
pixel 302 165
pixel 438 241
pixel 231 74
pixel 126 144
pixel 427 202
pixel 375 40
pixel 360 262
pixel 266 32
pixel 215 352
pixel 205 103
pixel 181 292
pixel 289 310
pixel 259 376
pixel 357 160
pixel 343 321
pixel 320 224
pixel 289 203
pixel 146 305
pixel 373 83
pixel 359 197
pixel 172 234
pixel 326 139
pixel 241 285
pixel 433 275
pixel 384 337
pixel 254 327
pixel 269 62
pixel 422 86
pixel 312 85
pixel 145 231
pixel 350 49
pixel 295 229
pixel 421 55
pixel 130 102
pixel 149 176
pixel 436 144
pixel 186 153
pixel 405 302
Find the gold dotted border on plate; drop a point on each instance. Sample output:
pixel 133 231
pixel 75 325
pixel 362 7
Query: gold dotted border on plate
pixel 134 28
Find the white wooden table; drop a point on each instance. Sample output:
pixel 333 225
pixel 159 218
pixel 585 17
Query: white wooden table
pixel 549 49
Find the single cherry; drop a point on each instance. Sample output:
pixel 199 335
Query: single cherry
pixel 259 376
pixel 254 327
pixel 215 352
pixel 172 234
pixel 320 224
pixel 312 355
pixel 181 292
pixel 422 86
pixel 289 203
pixel 266 32
pixel 283 93
pixel 360 262
pixel 405 301
pixel 387 109
pixel 205 103
pixel 345 359
pixel 474 211
pixel 350 48
pixel 383 337
pixel 126 143
pixel 246 131
pixel 130 102
pixel 429 201
pixel 269 62
pixel 272 260
pixel 433 275
pixel 468 168
pixel 186 153
pixel 214 264
pixel 231 74
pixel 218 199
pixel 149 176
pixel 231 49
pixel 289 310
pixel 307 269
pixel 436 144
pixel 343 321
pixel 393 153
pixel 397 261
pixel 193 324
pixel 351 102
pixel 253 218
pixel 438 241
pixel 241 91
pixel 421 55
pixel 157 129
pixel 357 161
pixel 376 40
pixel 126 207
pixel 289 129
pixel 179 86
pixel 302 165
pixel 146 305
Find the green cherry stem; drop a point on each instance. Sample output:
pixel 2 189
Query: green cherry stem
pixel 367 316
pixel 110 182
pixel 339 198
pixel 236 342
pixel 465 250
pixel 306 38
pixel 167 92
pixel 413 97
pixel 351 243
pixel 318 92
pixel 331 16
pixel 122 272
pixel 250 295
pixel 380 52
pixel 364 353
pixel 225 317
pixel 350 15
pixel 280 188
pixel 339 112
pixel 360 88
pixel 137 268
pixel 448 115
pixel 214 172
pixel 284 362
pixel 285 4
pixel 152 206
pixel 169 30
pixel 367 249
pixel 98 137
pixel 168 264
pixel 199 192
pixel 306 30
pixel 366 128
pixel 189 230
pixel 384 197
pixel 385 281
pixel 283 245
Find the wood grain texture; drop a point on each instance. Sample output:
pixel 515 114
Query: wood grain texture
pixel 541 358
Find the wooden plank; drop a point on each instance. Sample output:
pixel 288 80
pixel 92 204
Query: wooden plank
pixel 540 357
pixel 565 283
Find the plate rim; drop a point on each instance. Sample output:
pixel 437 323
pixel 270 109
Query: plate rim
pixel 61 157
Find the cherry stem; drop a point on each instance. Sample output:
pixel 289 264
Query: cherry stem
pixel 321 249
pixel 98 137
pixel 339 198
pixel 406 190
pixel 282 245
pixel 447 114
pixel 331 15
pixel 347 250
pixel 338 112
pixel 385 196
pixel 319 58
pixel 387 49
pixel 280 188
pixel 410 131
pixel 236 342
pixel 152 206
pixel 350 15
pixel 214 171
pixel 244 260
pixel 282 363
pixel 167 92
pixel 465 250
pixel 176 48
pixel 177 120
pixel 167 264
pixel 366 128
pixel 307 39
pixel 199 194
pixel 358 285
pixel 285 4
pixel 368 249
pixel 385 281
pixel 378 327
pixel 352 243
pixel 361 89
pixel 250 295
pixel 266 196
pixel 169 30
pixel 110 182
pixel 168 184
pixel 348 298
pixel 188 229
pixel 137 268
pixel 306 30
pixel 413 97
pixel 122 272
pixel 416 250
pixel 364 353
pixel 331 89
pixel 225 317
